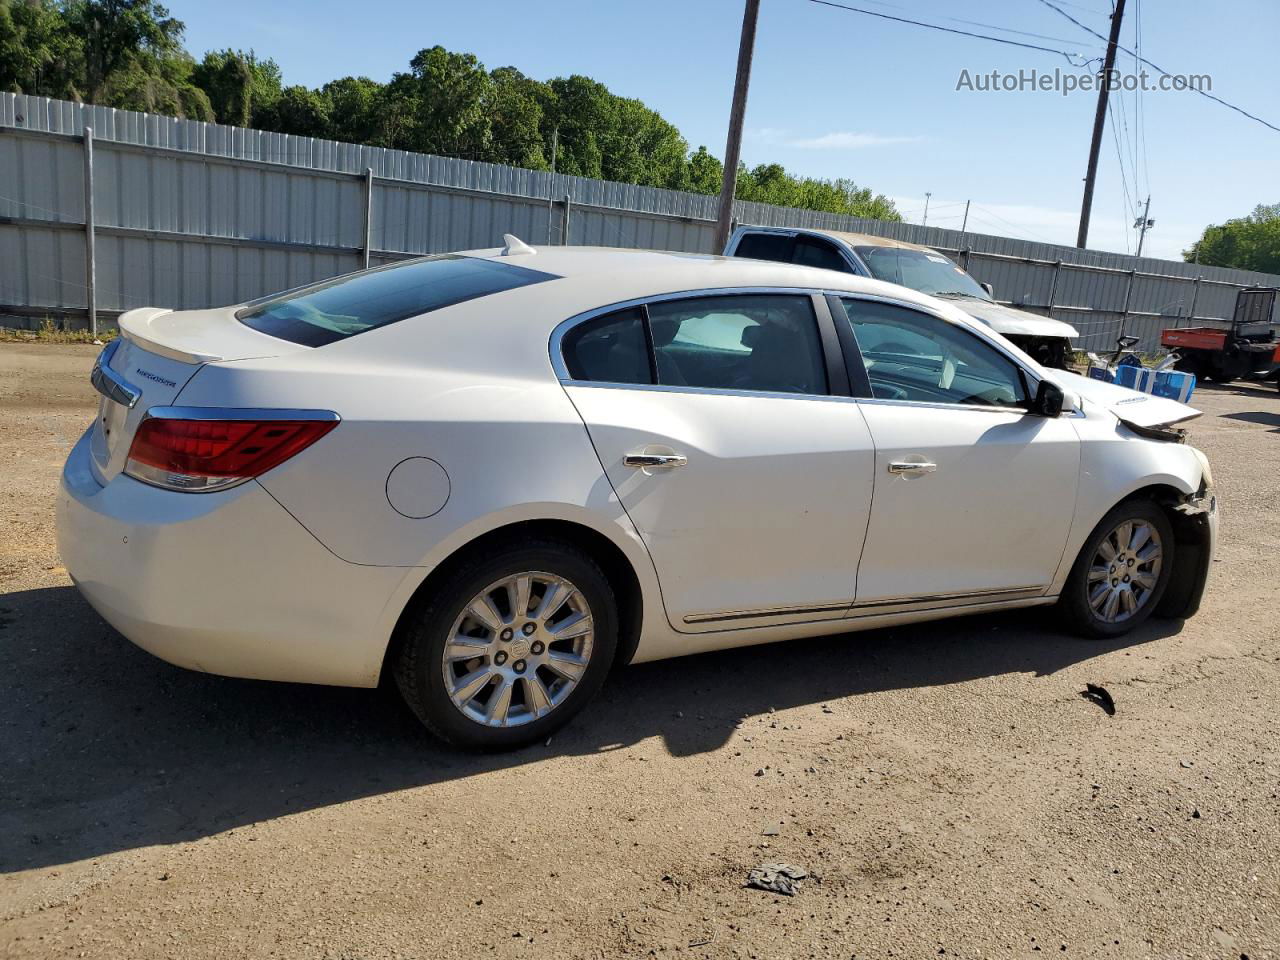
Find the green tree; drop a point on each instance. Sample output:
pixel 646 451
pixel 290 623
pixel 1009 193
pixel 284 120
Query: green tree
pixel 515 110
pixel 239 86
pixel 1248 243
pixel 117 35
pixel 299 111
pixel 704 173
pixel 353 109
pixel 39 54
pixel 439 105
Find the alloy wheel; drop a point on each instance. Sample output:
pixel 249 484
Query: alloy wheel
pixel 1125 571
pixel 518 649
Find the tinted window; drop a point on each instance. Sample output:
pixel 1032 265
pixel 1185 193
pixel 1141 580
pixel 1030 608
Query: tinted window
pixel 345 306
pixel 766 246
pixel 609 349
pixel 761 342
pixel 819 253
pixel 915 356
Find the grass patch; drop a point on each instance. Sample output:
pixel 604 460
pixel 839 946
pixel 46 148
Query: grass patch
pixel 49 332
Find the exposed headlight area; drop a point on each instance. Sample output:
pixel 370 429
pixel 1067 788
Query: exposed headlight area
pixel 201 451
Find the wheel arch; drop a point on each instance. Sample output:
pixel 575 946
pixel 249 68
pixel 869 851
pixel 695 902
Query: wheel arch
pixel 1192 548
pixel 617 566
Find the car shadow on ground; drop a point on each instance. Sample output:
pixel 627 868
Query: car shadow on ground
pixel 105 748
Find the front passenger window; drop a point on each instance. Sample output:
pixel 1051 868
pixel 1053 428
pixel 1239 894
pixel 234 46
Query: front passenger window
pixel 918 357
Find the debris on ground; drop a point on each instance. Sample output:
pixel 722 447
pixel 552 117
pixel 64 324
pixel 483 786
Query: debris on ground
pixel 780 878
pixel 1099 695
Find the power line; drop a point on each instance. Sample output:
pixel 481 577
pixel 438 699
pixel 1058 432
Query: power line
pixel 1071 57
pixel 1156 67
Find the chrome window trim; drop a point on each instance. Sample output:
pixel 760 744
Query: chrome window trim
pixel 239 413
pixel 109 383
pixel 706 391
pixel 562 371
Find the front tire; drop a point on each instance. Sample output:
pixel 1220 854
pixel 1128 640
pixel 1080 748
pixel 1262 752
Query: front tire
pixel 1122 571
pixel 509 647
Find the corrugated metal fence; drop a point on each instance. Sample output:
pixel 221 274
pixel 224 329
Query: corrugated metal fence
pixel 190 214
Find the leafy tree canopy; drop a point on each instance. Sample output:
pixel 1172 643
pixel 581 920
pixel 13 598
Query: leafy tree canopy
pixel 129 54
pixel 1249 243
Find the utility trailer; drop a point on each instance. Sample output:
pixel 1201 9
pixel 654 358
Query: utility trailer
pixel 1247 348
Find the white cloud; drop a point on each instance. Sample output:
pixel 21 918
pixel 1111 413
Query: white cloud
pixel 848 140
pixel 835 140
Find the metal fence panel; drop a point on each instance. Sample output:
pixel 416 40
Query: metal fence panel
pixel 192 214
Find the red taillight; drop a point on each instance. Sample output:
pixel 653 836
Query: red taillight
pixel 212 454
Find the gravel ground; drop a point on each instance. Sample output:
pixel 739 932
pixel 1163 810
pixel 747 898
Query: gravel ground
pixel 946 787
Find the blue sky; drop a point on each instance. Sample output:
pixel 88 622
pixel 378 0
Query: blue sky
pixel 838 94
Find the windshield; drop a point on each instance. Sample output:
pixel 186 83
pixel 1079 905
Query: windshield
pixel 921 270
pixel 351 304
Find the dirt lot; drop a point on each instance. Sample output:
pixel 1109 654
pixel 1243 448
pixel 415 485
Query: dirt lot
pixel 946 786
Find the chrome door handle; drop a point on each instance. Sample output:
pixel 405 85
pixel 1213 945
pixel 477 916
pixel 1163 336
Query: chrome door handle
pixel 912 467
pixel 655 461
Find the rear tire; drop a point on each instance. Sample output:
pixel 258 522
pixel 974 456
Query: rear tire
pixel 1122 571
pixel 485 665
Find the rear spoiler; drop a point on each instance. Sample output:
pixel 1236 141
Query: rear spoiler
pixel 135 325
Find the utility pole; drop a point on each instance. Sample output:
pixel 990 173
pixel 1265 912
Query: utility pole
pixel 733 147
pixel 925 222
pixel 964 225
pixel 1099 121
pixel 1145 223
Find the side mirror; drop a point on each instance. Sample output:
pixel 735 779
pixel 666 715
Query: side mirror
pixel 991 291
pixel 1050 400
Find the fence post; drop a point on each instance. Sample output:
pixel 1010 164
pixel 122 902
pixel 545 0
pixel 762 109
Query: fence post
pixel 368 214
pixel 1128 295
pixel 564 221
pixel 90 264
pixel 1195 297
pixel 1053 287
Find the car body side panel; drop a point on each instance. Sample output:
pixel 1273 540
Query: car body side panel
pixel 1114 464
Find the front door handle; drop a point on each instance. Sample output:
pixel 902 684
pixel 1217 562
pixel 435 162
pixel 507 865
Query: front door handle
pixel 912 468
pixel 655 461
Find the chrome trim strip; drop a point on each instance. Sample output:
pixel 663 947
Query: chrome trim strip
pixel 873 607
pixel 239 413
pixel 767 612
pixel 109 383
pixel 890 617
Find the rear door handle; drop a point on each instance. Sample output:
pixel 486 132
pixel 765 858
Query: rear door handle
pixel 655 461
pixel 912 468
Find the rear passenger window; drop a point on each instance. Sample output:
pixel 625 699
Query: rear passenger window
pixel 767 342
pixel 819 253
pixel 766 246
pixel 609 349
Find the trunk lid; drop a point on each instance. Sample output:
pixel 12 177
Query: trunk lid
pixel 156 355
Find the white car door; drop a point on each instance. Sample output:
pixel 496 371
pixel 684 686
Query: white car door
pixel 749 482
pixel 974 494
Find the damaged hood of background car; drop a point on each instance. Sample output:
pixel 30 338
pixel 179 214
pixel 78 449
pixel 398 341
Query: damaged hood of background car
pixel 1131 406
pixel 1010 320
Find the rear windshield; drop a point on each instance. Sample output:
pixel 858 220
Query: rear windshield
pixel 342 307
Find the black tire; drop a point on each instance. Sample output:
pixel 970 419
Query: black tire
pixel 1074 602
pixel 418 666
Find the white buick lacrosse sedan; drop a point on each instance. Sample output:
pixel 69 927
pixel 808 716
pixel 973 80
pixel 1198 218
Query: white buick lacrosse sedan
pixel 496 474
